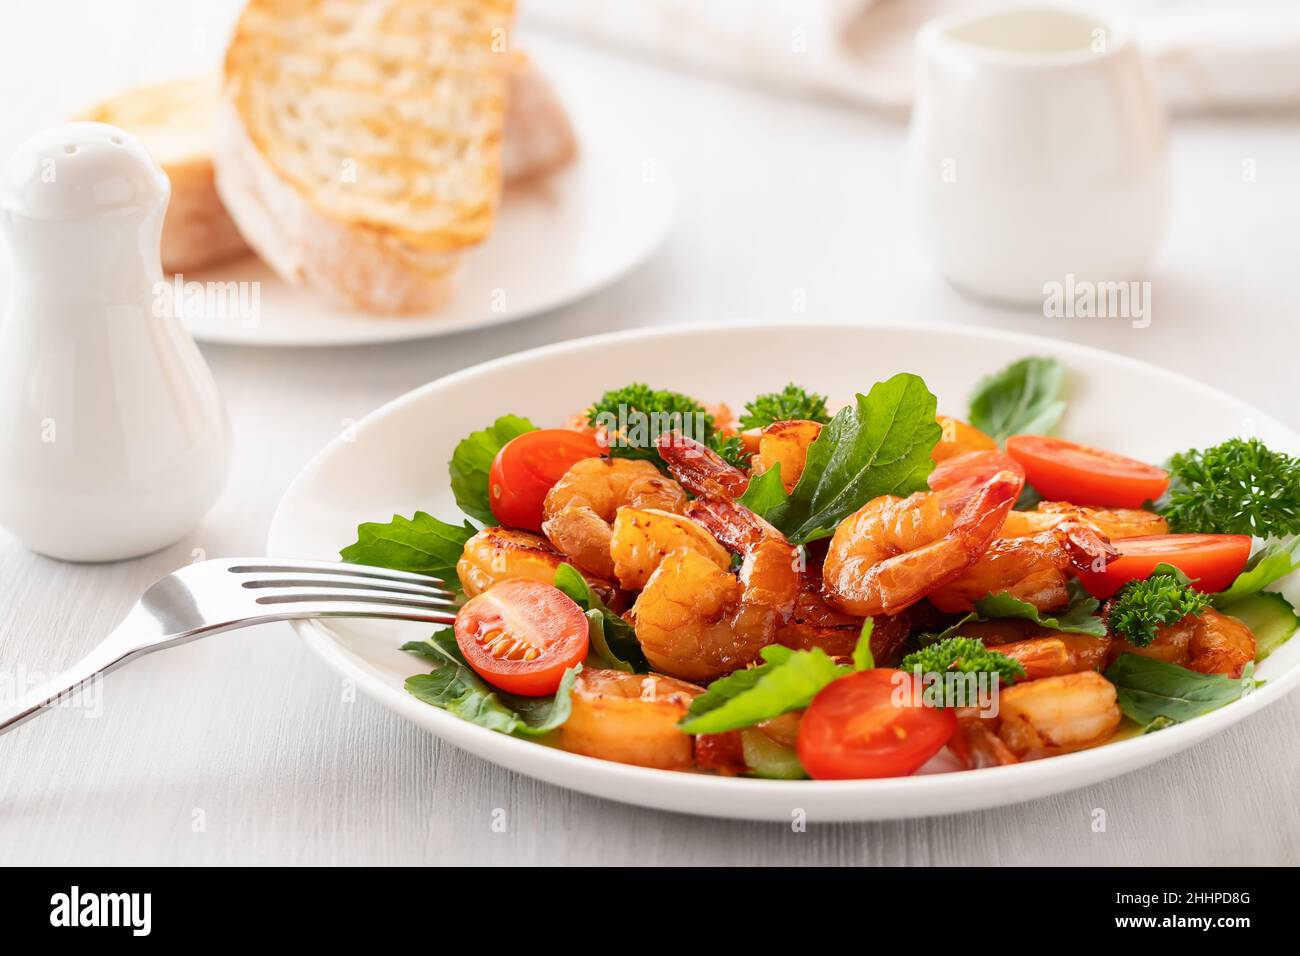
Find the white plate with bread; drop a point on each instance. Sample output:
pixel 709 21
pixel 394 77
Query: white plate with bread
pixel 386 170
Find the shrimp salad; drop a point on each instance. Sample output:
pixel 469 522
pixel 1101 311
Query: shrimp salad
pixel 798 591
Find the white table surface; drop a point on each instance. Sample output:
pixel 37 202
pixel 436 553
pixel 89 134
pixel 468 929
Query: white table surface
pixel 246 749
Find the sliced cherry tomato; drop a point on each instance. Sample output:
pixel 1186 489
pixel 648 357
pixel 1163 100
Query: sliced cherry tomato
pixel 1212 561
pixel 959 477
pixel 1066 471
pixel 527 466
pixel 521 636
pixel 869 725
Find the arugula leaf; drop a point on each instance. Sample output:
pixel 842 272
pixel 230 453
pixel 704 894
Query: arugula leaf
pixel 787 680
pixel 422 544
pixel 472 460
pixel 879 446
pixel 1149 689
pixel 1080 615
pixel 613 638
pixel 1024 398
pixel 454 687
pixel 765 493
pixel 863 659
pixel 1272 563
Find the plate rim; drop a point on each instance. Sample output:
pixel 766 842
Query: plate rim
pixel 999 784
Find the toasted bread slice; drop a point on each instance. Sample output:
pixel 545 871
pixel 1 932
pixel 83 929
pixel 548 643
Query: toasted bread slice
pixel 358 144
pixel 174 120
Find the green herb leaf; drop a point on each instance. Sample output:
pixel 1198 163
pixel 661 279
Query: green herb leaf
pixel 792 403
pixel 632 418
pixel 454 687
pixel 472 460
pixel 1140 608
pixel 963 655
pixel 1237 487
pixel 612 638
pixel 1149 689
pixel 787 680
pixel 421 544
pixel 879 446
pixel 1272 563
pixel 1080 615
pixel 731 449
pixel 765 493
pixel 1022 399
pixel 863 659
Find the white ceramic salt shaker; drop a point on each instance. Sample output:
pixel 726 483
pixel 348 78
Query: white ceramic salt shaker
pixel 113 439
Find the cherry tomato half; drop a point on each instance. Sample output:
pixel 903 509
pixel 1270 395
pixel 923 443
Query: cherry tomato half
pixel 855 728
pixel 527 466
pixel 521 636
pixel 959 477
pixel 1066 471
pixel 1212 561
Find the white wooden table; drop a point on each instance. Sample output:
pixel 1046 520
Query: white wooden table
pixel 245 749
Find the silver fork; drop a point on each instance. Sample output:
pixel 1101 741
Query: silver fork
pixel 209 597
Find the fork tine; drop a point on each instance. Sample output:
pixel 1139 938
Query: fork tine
pixel 324 598
pixel 345 582
pixel 395 612
pixel 295 566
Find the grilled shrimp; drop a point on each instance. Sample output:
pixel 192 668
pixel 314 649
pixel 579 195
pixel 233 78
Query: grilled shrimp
pixel 1210 642
pixel 644 537
pixel 1058 654
pixel 503 554
pixel 1055 715
pixel 785 444
pixel 698 621
pixel 1114 523
pixel 1035 568
pixel 892 551
pixel 976 744
pixel 579 509
pixel 630 718
pixel 700 469
pixel 958 438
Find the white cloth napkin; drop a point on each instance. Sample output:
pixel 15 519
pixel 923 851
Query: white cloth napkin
pixel 1208 54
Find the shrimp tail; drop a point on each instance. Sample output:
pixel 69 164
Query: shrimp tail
pixel 1087 547
pixel 698 468
pixel 734 526
pixel 983 515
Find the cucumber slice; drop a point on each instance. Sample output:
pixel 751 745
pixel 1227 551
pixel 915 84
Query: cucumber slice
pixel 766 758
pixel 1270 617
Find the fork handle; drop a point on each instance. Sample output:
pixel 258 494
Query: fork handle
pixel 121 646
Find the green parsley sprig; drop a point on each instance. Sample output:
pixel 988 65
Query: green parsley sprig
pixel 1238 487
pixel 792 403
pixel 1140 608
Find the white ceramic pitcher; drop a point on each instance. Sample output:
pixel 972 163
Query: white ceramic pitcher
pixel 113 439
pixel 1037 151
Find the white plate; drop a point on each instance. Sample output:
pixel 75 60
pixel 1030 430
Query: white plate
pixel 553 243
pixel 397 463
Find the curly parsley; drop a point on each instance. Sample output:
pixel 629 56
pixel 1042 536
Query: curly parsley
pixel 634 415
pixel 1238 487
pixel 1140 608
pixel 792 403
pixel 964 655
